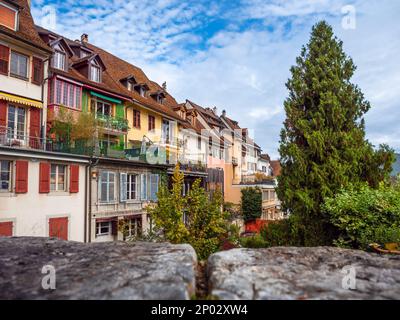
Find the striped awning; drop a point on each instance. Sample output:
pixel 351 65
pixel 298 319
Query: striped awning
pixel 16 99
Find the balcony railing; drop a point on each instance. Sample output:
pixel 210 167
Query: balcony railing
pixel 112 124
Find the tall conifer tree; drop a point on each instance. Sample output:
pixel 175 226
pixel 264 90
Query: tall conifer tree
pixel 323 145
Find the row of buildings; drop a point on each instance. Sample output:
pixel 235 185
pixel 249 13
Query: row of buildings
pixel 85 137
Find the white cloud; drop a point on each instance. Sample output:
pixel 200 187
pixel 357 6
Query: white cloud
pixel 243 67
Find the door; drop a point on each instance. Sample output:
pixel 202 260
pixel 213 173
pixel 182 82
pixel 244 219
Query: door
pixel 6 229
pixel 58 228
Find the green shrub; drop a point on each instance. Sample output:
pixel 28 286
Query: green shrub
pixel 365 215
pixel 256 241
pixel 251 203
pixel 278 233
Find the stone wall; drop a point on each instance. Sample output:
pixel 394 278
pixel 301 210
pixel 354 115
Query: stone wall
pixel 119 270
pixel 113 270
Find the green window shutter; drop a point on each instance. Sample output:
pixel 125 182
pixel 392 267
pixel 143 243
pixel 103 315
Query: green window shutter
pixel 85 101
pixel 119 112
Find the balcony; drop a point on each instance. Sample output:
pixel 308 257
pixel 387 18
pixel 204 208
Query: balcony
pixel 112 125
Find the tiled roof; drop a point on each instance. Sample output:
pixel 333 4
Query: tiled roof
pixel 265 156
pixel 276 168
pixel 117 70
pixel 209 116
pixel 26 31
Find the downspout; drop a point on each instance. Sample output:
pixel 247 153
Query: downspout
pixel 89 215
pixel 43 126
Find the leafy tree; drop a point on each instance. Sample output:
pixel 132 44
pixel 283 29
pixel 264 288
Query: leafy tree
pixel 251 203
pixel 365 215
pixel 323 146
pixel 196 218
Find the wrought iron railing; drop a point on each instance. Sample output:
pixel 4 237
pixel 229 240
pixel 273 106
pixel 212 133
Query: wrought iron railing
pixel 112 123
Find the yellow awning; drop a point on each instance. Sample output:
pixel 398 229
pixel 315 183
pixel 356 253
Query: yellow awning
pixel 20 100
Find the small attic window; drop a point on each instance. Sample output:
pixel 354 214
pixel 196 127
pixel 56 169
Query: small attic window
pixel 140 89
pixel 8 16
pixel 95 72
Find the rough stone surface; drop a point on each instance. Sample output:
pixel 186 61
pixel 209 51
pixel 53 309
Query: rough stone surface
pixel 302 273
pixel 114 270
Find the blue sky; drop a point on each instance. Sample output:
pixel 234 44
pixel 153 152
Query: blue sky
pixel 236 55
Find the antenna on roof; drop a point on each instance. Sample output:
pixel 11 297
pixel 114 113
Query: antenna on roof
pixel 164 85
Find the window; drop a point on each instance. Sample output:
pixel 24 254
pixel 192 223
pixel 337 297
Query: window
pixel 59 60
pixel 136 119
pixel 153 186
pixel 65 99
pixel 140 89
pixel 107 186
pixel 165 133
pixel 133 227
pixel 8 16
pixel 199 143
pixel 103 109
pixel 131 186
pixel 66 94
pixel 4 58
pixel 5 175
pixel 19 65
pixel 103 228
pixel 58 181
pixel 16 122
pixel 152 123
pixel 95 73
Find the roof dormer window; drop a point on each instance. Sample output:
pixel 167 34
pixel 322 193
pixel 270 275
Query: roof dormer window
pixel 95 72
pixel 159 96
pixel 141 89
pixel 59 59
pixel 8 16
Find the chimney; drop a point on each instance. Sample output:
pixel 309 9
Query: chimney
pixel 84 38
pixel 215 110
pixel 224 113
pixel 164 85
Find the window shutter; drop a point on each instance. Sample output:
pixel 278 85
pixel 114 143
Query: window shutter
pixel 4 59
pixel 3 117
pixel 44 177
pixel 21 176
pixel 37 71
pixel 34 128
pixel 122 187
pixel 114 227
pixel 74 179
pixel 143 186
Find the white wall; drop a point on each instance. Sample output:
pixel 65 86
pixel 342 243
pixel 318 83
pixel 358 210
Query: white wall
pixel 30 211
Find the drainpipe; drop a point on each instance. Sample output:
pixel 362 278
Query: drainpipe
pixel 88 213
pixel 43 126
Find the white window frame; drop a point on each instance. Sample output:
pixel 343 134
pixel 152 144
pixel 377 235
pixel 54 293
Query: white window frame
pixel 108 183
pixel 132 228
pixel 129 190
pixel 18 75
pixel 98 228
pixel 59 60
pixel 57 176
pixel 10 173
pixel 95 73
pixel 15 135
pixel 103 104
